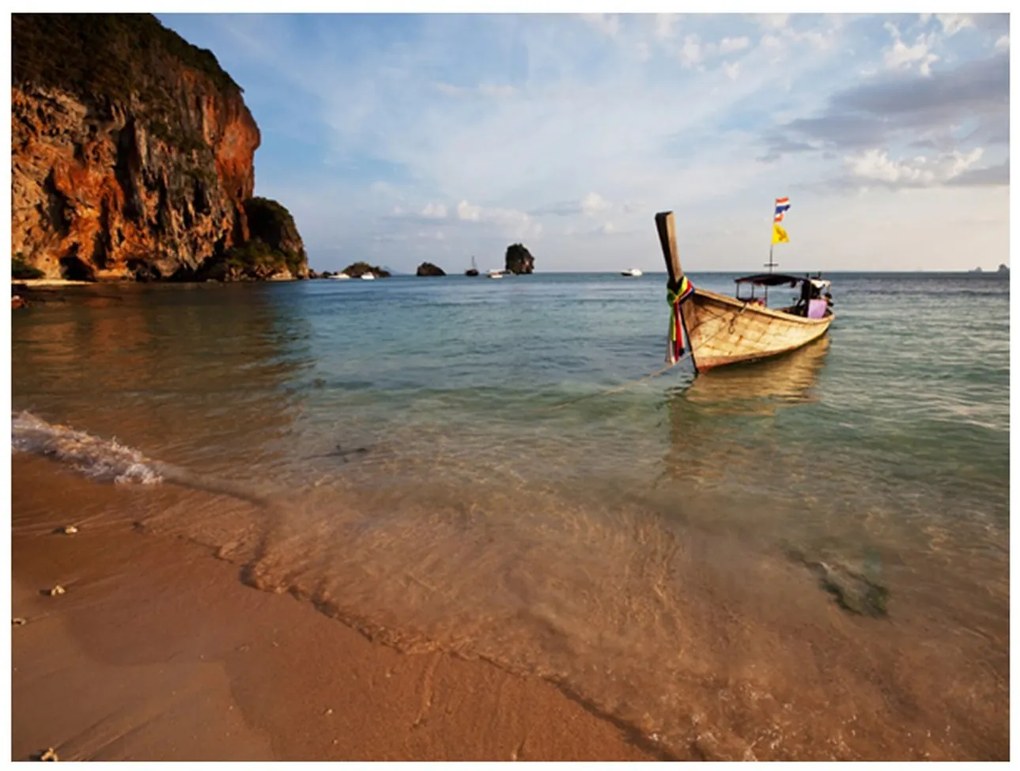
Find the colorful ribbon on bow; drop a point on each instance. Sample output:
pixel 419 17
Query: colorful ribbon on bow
pixel 677 336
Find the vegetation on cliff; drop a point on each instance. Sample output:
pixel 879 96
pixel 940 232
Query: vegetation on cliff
pixel 58 51
pixel 21 269
pixel 274 246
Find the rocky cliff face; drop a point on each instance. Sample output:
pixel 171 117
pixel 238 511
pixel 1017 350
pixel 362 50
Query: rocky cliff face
pixel 132 151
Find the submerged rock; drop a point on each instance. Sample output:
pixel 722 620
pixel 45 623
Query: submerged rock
pixel 853 591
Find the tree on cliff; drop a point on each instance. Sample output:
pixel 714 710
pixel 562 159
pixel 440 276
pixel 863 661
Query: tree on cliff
pixel 519 259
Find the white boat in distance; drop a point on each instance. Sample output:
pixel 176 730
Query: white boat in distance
pixel 367 276
pixel 632 272
pixel 494 273
pixel 340 276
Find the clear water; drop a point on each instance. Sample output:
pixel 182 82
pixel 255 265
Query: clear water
pixel 486 467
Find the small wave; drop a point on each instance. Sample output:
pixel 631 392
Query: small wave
pixel 104 459
pixel 110 461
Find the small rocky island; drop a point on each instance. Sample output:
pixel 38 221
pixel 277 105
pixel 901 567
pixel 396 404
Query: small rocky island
pixel 428 269
pixel 519 259
pixel 359 269
pixel 132 157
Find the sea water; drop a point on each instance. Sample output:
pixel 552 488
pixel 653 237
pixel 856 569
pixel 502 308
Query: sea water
pixel 799 558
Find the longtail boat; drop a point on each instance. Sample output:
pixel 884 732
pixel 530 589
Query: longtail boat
pixel 714 329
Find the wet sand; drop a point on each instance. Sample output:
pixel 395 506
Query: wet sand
pixel 157 651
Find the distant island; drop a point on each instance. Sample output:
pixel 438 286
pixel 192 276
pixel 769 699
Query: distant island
pixel 519 260
pixel 428 269
pixel 358 269
pixel 1003 270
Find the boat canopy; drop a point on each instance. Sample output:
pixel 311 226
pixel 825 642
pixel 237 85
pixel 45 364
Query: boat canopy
pixel 780 279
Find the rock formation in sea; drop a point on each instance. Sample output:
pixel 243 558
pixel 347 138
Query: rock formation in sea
pixel 519 259
pixel 358 269
pixel 133 157
pixel 428 269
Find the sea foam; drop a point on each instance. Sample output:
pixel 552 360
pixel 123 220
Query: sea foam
pixel 104 459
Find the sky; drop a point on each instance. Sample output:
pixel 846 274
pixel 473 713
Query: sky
pixel 403 138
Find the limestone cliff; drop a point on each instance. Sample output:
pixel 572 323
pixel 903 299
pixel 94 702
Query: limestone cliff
pixel 132 152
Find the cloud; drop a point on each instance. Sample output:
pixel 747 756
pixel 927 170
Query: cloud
pixel 992 176
pixel 664 24
pixel 593 204
pixel 907 109
pixel 466 211
pixel 902 56
pixel 875 166
pixel 510 221
pixel 691 53
pixel 434 211
pixel 494 90
pixel 607 24
pixel 773 21
pixel 980 86
pixel 954 22
pixel 730 45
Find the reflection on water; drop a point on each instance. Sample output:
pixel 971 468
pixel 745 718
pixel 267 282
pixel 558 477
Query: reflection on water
pixel 721 426
pixel 761 387
pixel 196 375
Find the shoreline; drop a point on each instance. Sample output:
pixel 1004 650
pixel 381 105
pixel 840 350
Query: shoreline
pixel 46 283
pixel 157 651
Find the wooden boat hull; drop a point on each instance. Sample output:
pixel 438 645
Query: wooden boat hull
pixel 724 330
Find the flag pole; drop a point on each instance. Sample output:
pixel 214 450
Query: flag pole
pixel 770 264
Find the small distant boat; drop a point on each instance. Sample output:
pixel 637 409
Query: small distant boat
pixel 368 276
pixel 473 270
pixel 494 274
pixel 715 329
pixel 632 272
pixel 341 276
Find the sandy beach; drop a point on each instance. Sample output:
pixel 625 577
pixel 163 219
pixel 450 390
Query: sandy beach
pixel 157 651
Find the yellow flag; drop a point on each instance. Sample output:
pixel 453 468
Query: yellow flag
pixel 778 234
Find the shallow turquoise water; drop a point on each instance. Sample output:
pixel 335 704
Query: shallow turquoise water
pixel 483 466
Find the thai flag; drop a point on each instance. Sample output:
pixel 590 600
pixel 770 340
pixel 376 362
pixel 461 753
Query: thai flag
pixel 782 204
